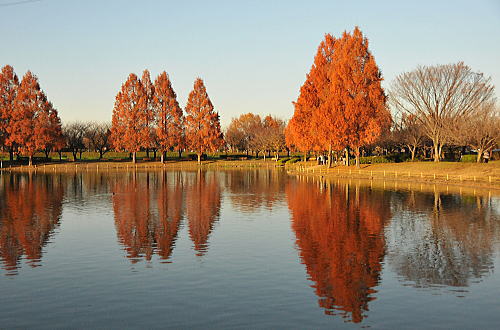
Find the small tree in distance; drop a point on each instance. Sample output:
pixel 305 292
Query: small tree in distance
pixel 203 131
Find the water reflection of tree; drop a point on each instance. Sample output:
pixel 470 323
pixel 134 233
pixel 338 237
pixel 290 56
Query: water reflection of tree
pixel 203 201
pixel 30 210
pixel 148 212
pixel 438 239
pixel 252 189
pixel 339 233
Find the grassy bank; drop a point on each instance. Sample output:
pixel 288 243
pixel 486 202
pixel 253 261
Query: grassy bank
pixel 470 174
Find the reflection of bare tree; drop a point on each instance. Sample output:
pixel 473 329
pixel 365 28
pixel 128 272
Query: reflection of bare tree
pixel 442 239
pixel 339 233
pixel 203 200
pixel 30 210
pixel 148 212
pixel 252 189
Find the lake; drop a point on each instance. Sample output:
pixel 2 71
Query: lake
pixel 243 249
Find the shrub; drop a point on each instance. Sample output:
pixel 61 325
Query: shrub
pixel 282 161
pixel 293 160
pixel 468 158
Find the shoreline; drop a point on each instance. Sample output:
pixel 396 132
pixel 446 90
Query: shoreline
pixel 456 174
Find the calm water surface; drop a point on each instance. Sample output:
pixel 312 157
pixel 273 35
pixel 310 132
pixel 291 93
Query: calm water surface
pixel 242 249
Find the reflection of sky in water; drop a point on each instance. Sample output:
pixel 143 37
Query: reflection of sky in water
pixel 238 248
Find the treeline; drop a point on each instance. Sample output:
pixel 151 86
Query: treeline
pixel 147 115
pixel 342 108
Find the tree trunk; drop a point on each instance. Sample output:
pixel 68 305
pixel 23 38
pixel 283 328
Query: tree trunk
pixel 11 154
pixel 154 154
pixel 356 153
pixel 479 155
pixel 413 149
pixel 162 157
pixel 199 158
pixel 330 156
pixel 436 152
pixel 134 160
pixel 100 154
pixel 30 161
pixel 81 151
pixel 47 152
pixel 346 156
pixel 180 154
pixel 147 152
pixel 247 152
pixel 60 155
pixel 305 156
pixel 74 155
pixel 288 152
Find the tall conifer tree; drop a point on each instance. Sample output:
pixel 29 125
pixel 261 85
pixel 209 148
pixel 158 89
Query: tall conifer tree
pixel 169 117
pixel 130 129
pixel 203 131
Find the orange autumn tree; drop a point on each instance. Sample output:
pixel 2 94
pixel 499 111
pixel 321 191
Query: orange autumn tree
pixel 354 111
pixel 30 129
pixel 203 131
pixel 303 133
pixel 169 116
pixel 242 130
pixel 129 130
pixel 149 115
pixel 48 130
pixel 9 84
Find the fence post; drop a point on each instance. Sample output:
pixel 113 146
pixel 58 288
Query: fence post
pixel 489 178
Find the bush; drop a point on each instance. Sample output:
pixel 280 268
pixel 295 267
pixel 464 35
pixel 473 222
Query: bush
pixel 282 161
pixel 468 158
pixel 293 160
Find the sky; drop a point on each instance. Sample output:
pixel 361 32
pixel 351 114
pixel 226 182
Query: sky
pixel 252 55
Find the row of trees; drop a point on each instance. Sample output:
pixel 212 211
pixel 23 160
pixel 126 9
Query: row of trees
pixel 249 132
pixel 147 115
pixel 28 120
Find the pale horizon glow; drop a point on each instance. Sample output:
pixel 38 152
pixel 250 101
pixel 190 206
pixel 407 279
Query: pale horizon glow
pixel 252 55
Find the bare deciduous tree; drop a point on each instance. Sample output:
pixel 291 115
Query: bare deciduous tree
pixel 97 137
pixel 75 136
pixel 480 131
pixel 440 97
pixel 409 132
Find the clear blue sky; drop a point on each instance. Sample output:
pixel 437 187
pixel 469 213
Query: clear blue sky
pixel 253 55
